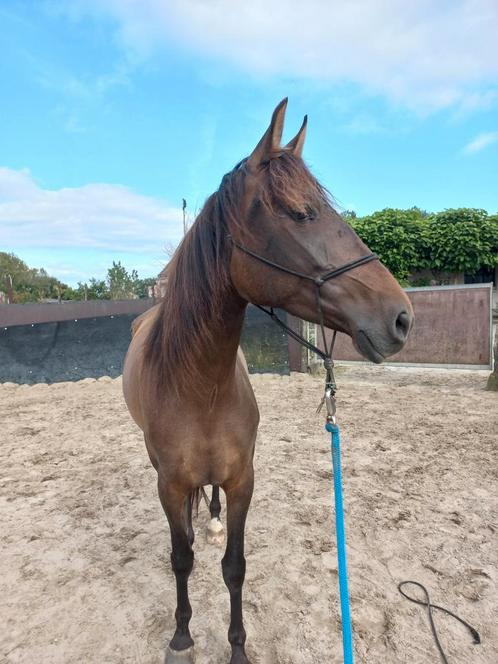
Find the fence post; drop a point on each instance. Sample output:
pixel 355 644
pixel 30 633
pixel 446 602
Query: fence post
pixel 492 384
pixel 297 354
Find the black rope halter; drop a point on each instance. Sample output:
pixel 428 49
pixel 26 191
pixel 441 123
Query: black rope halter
pixel 318 281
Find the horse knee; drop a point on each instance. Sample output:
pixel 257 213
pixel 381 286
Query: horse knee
pixel 182 562
pixel 234 572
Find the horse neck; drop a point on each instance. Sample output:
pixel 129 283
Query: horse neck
pixel 217 361
pixel 196 363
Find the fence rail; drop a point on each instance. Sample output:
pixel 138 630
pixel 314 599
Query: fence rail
pixel 53 312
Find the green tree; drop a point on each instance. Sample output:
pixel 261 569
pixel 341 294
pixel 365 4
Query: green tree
pixel 70 293
pixel 13 271
pixel 398 237
pixel 463 240
pixel 141 286
pixel 25 284
pixel 120 282
pixel 33 285
pixel 94 289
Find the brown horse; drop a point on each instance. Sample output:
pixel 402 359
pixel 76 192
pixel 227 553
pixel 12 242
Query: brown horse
pixel 185 381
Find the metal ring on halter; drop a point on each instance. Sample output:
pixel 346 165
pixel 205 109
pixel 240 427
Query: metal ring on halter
pixel 330 405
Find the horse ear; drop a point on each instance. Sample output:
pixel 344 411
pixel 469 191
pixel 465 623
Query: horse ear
pixel 297 143
pixel 270 142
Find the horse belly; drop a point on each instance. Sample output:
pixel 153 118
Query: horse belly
pixel 197 451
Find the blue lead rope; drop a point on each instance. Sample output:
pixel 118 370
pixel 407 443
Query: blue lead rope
pixel 347 636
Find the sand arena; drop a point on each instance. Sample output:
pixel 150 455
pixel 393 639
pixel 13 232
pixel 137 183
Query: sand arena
pixel 85 573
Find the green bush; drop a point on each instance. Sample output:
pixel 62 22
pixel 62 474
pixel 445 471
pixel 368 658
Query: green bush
pixel 407 241
pixel 462 240
pixel 398 237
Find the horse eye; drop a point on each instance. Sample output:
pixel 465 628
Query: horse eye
pixel 304 215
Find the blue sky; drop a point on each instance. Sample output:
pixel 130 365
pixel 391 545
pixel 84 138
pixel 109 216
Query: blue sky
pixel 111 111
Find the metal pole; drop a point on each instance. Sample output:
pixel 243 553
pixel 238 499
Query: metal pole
pixel 184 208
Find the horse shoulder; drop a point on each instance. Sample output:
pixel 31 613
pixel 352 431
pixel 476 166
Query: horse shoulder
pixel 144 319
pixel 133 363
pixel 241 361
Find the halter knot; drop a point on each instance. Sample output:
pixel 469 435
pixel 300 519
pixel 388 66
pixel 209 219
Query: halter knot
pixel 328 363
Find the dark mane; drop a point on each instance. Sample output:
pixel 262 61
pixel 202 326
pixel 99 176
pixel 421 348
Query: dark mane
pixel 198 278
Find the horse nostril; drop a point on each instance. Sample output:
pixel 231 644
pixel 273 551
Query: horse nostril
pixel 403 322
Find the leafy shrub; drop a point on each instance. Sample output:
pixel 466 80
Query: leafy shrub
pixel 398 237
pixel 462 240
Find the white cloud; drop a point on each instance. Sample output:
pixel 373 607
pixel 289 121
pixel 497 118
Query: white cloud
pixel 423 55
pixel 480 142
pixel 96 216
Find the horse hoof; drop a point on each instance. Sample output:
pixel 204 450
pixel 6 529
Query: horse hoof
pixel 179 656
pixel 215 533
pixel 239 658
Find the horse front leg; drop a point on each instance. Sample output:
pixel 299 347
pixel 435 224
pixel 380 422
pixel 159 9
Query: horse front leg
pixel 215 533
pixel 233 563
pixel 180 649
pixel 188 518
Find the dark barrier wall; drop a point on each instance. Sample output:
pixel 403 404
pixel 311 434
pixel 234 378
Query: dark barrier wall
pixel 92 347
pixel 65 350
pixel 452 327
pixel 265 345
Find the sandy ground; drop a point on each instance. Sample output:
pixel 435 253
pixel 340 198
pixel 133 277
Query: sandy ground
pixel 84 572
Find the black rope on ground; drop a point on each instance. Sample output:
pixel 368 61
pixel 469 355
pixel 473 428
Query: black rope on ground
pixel 430 606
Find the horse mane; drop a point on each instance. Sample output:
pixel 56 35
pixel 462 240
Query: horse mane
pixel 198 277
